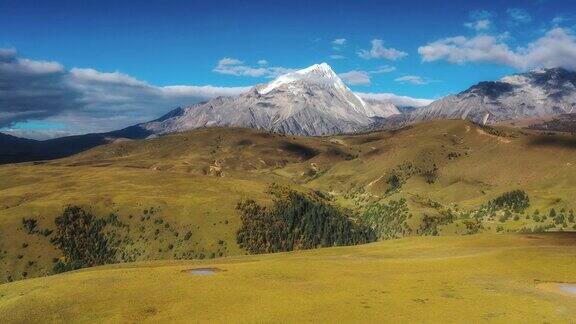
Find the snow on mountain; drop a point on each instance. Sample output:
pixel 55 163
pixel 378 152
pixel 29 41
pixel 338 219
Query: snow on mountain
pixel 312 101
pixel 318 73
pixel 538 93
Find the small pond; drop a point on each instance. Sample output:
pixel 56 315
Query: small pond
pixel 203 271
pixel 568 288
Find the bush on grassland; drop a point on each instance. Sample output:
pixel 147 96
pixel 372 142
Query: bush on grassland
pixel 80 237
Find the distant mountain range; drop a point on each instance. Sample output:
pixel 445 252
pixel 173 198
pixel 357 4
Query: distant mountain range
pixel 538 93
pixel 15 149
pixel 314 101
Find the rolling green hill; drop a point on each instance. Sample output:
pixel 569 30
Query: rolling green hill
pixel 175 197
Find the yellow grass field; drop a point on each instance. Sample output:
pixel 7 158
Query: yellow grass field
pixel 483 278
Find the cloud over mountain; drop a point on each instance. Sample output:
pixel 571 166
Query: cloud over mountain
pixel 236 67
pixel 355 77
pixel 400 101
pixel 94 100
pixel 557 48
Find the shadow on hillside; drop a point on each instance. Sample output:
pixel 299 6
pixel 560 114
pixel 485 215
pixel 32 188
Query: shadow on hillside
pixel 303 151
pixel 554 141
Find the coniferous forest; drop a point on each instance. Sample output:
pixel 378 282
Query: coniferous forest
pixel 297 221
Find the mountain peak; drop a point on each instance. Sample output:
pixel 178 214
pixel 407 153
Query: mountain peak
pixel 318 73
pixel 310 101
pixel 316 68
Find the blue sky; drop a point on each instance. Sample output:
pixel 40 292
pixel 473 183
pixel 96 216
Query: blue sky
pixel 379 46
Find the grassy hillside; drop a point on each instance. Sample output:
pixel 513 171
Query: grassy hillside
pixel 500 278
pixel 175 197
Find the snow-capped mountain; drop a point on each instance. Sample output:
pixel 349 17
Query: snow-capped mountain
pixel 538 93
pixel 312 101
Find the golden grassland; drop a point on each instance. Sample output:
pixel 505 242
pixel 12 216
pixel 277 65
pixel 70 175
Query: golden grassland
pixel 479 278
pixel 193 181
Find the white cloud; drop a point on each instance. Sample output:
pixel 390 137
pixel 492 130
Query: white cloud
pixel 413 79
pixel 519 16
pixel 118 92
pixel 460 50
pixel 481 20
pixel 557 48
pixel 10 63
pixel 232 66
pixel 400 101
pixel 262 62
pixel 383 69
pixel 205 92
pixel 378 51
pixel 229 61
pixel 339 41
pixel 479 25
pixel 236 67
pixel 7 53
pixel 91 75
pixel 355 78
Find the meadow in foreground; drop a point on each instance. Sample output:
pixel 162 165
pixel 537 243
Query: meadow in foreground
pixel 483 277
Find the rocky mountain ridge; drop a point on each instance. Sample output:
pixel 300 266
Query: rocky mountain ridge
pixel 538 93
